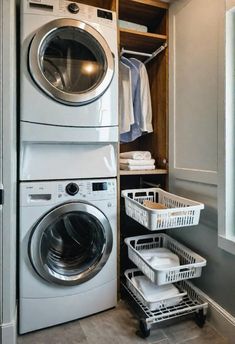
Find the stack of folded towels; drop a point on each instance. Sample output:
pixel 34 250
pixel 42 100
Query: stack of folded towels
pixel 136 160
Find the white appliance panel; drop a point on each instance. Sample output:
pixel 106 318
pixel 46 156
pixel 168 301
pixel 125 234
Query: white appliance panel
pixel 48 161
pixel 43 303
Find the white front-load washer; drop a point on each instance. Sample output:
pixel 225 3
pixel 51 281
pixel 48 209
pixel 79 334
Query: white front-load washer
pixel 68 256
pixel 69 65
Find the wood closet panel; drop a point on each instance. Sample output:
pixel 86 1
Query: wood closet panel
pixel 157 142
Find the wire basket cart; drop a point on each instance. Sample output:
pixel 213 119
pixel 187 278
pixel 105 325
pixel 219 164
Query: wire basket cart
pixel 176 212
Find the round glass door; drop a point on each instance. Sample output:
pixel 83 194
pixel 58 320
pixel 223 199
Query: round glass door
pixel 71 244
pixel 71 61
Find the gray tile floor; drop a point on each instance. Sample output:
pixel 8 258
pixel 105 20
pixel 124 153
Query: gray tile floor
pixel 118 326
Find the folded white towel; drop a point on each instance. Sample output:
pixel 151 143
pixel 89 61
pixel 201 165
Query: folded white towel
pixel 132 162
pixel 153 292
pixel 136 155
pixel 136 168
pixel 160 258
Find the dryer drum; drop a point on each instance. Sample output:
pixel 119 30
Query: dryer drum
pixel 71 61
pixel 71 243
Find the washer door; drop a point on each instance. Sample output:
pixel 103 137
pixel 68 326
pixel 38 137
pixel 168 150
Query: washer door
pixel 71 61
pixel 71 243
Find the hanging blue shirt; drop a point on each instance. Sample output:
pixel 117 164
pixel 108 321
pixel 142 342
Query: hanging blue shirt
pixel 144 98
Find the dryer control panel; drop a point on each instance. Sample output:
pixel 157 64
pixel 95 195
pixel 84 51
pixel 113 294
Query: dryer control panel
pixel 71 9
pixel 54 192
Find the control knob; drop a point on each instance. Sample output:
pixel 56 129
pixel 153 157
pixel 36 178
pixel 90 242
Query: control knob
pixel 72 189
pixel 73 8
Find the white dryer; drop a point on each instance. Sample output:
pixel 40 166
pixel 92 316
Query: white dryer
pixel 69 65
pixel 69 91
pixel 68 253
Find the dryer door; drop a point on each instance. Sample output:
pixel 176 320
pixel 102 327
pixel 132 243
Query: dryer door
pixel 71 61
pixel 71 243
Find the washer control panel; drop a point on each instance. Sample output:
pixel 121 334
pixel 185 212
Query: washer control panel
pixel 87 189
pixel 54 192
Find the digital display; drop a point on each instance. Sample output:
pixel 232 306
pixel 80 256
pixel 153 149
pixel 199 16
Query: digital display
pixel 105 14
pixel 99 186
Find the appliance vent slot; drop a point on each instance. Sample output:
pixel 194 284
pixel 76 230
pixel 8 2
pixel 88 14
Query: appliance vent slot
pixel 45 7
pixel 40 197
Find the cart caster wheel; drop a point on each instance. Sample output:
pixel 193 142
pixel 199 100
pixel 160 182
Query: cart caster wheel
pixel 200 318
pixel 144 330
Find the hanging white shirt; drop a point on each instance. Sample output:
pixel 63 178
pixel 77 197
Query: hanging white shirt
pixel 125 98
pixel 145 97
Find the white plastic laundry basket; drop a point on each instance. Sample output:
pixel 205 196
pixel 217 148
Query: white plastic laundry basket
pixel 180 211
pixel 152 305
pixel 190 263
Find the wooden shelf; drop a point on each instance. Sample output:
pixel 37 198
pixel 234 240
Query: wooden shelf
pixel 141 41
pixel 144 12
pixel 151 4
pixel 144 172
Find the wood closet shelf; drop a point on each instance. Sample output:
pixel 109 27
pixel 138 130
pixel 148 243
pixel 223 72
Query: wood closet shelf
pixel 132 173
pixel 141 41
pixel 151 13
pixel 151 4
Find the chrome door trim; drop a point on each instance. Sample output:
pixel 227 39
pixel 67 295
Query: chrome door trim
pixel 38 76
pixel 34 244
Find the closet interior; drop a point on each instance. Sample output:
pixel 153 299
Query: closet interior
pixel 154 16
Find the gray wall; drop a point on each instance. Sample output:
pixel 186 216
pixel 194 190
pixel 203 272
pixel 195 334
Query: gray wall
pixel 196 76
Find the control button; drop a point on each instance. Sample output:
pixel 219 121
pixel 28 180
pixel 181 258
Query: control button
pixel 72 189
pixel 73 8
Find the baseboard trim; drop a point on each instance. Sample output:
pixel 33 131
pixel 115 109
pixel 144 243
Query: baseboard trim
pixel 8 332
pixel 219 318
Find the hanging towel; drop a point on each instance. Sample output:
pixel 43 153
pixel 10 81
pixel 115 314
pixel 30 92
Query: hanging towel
pixel 136 155
pixel 145 97
pixel 135 130
pixel 132 162
pixel 125 98
pixel 137 167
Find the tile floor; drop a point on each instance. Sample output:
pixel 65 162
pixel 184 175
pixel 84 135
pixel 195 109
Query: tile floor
pixel 118 326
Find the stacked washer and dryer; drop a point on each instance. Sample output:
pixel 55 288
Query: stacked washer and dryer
pixel 68 162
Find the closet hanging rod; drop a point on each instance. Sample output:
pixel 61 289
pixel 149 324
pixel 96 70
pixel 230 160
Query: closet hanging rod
pixel 133 52
pixel 156 52
pixel 150 56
